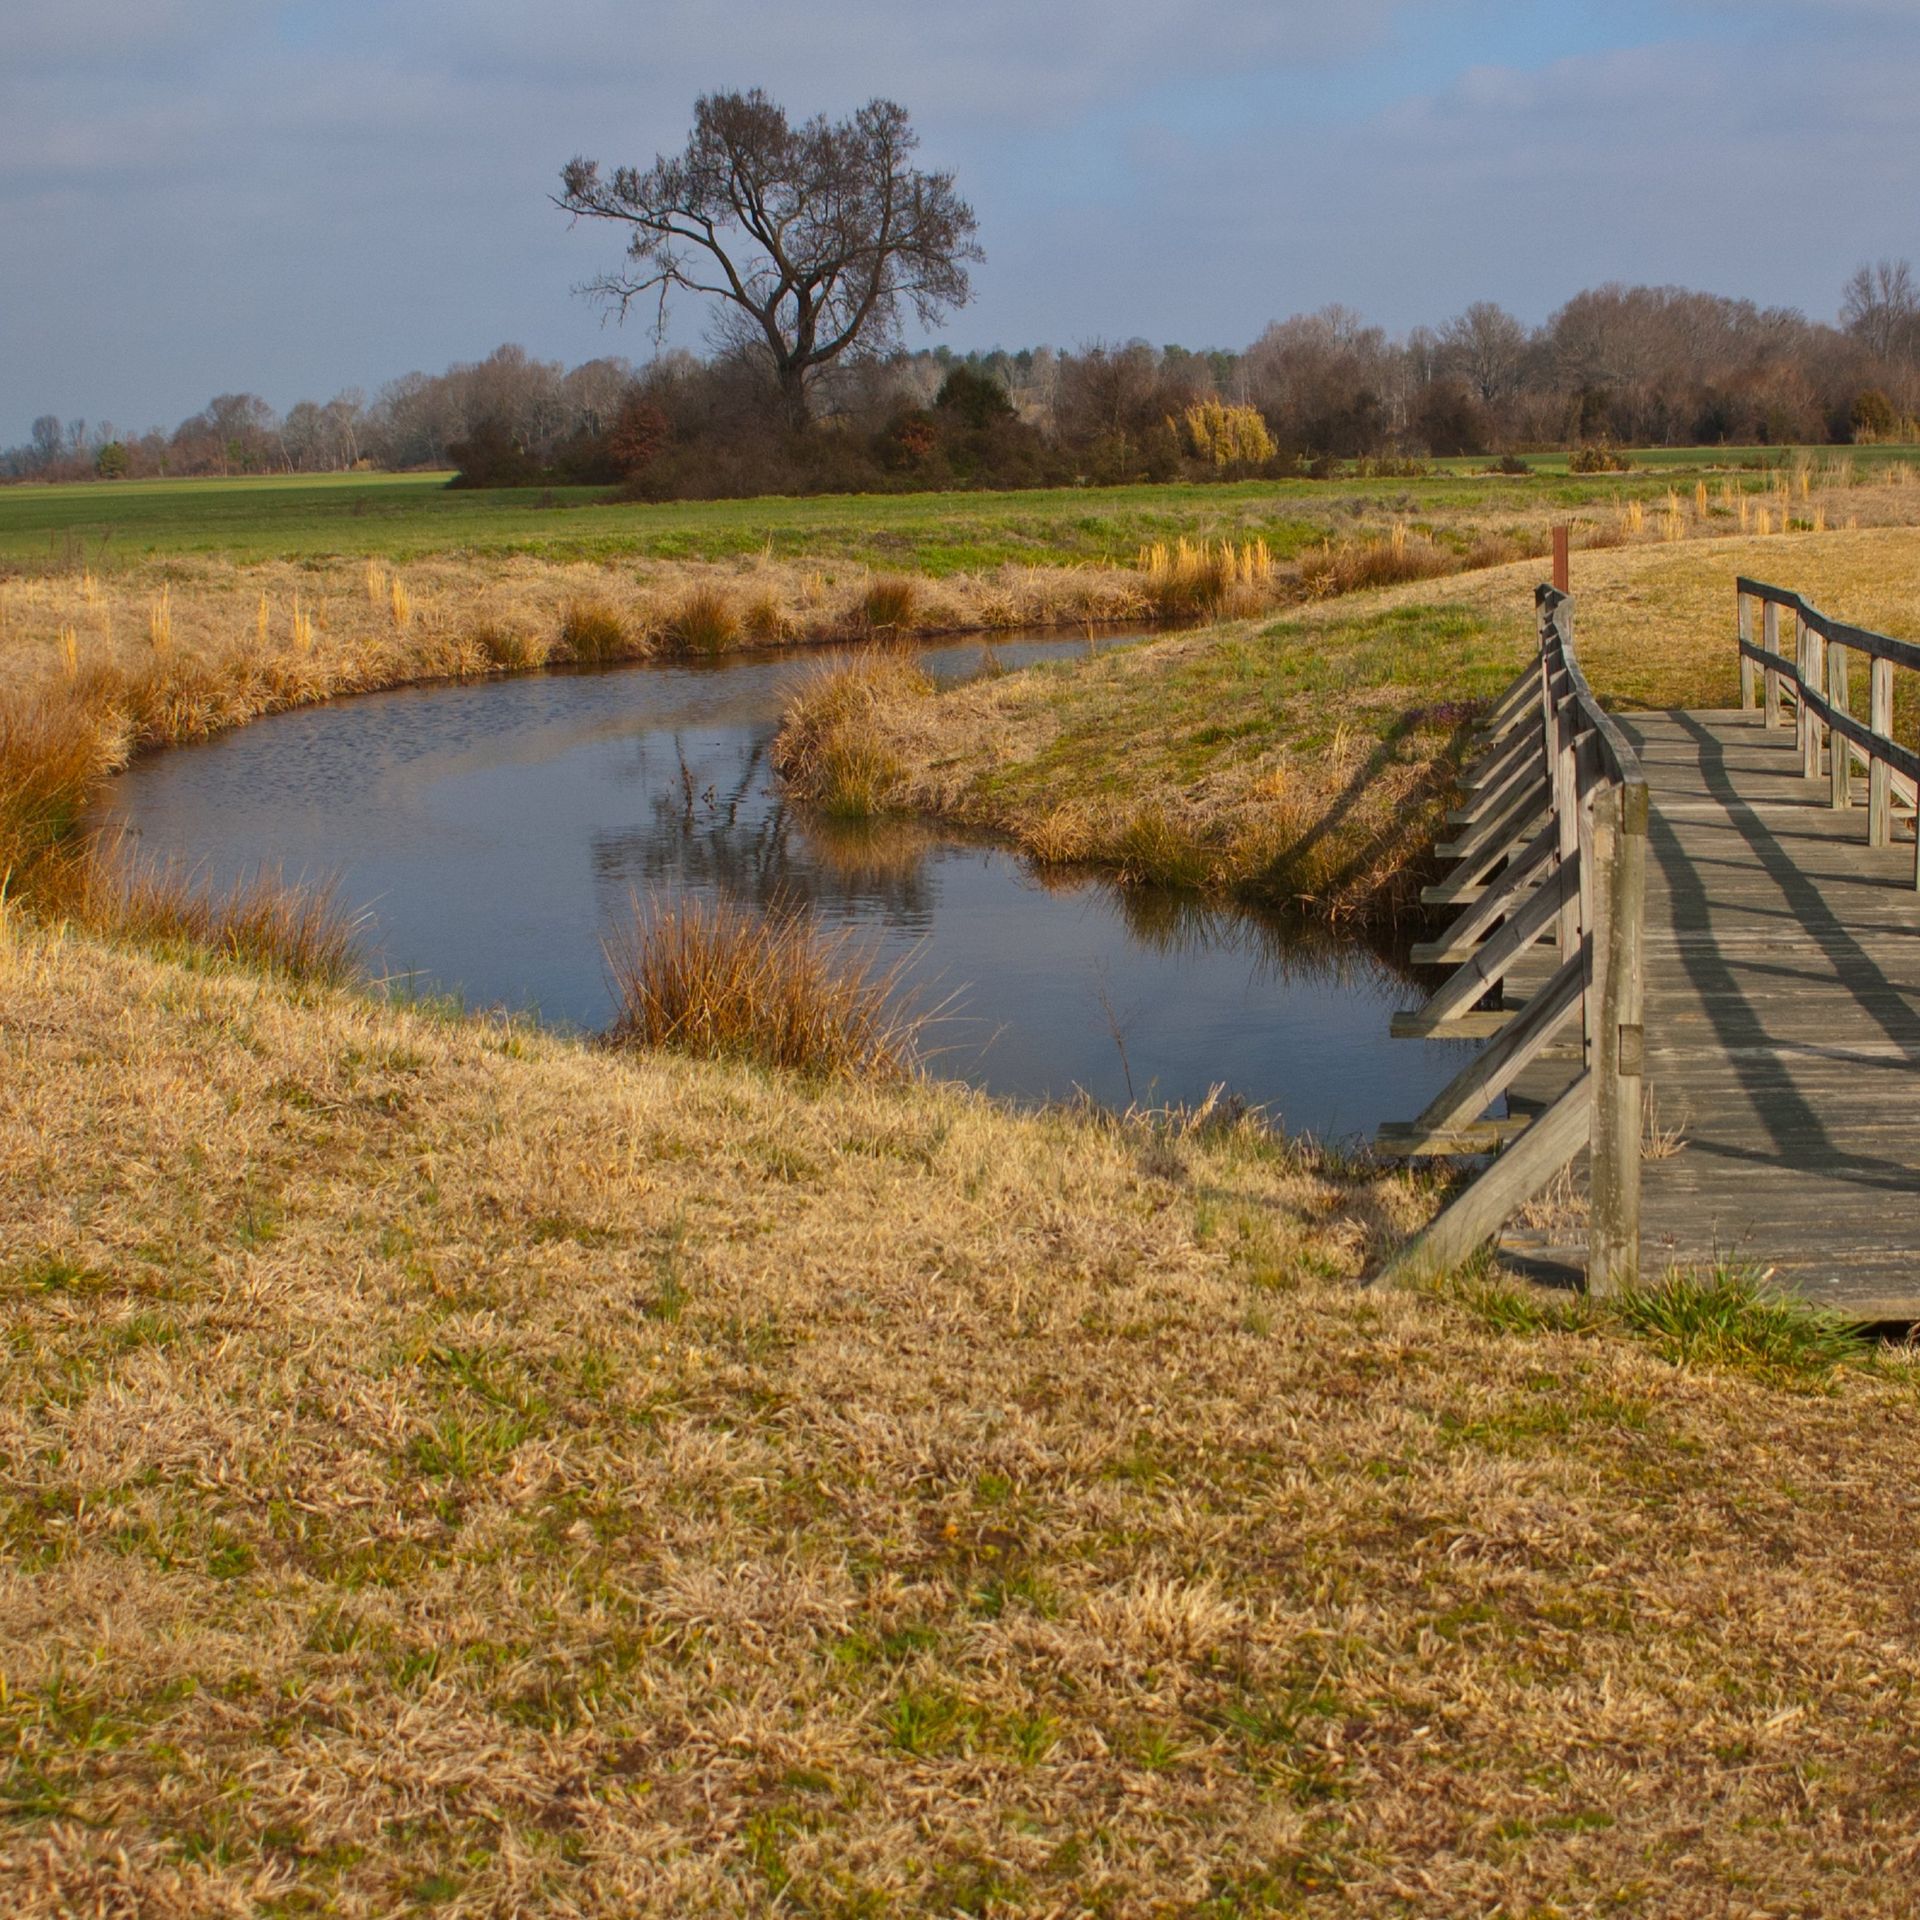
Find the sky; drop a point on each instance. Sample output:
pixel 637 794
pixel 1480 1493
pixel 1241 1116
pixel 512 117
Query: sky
pixel 292 197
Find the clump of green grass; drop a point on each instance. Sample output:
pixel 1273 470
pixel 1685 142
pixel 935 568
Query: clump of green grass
pixel 1152 851
pixel 888 606
pixel 705 621
pixel 1726 1317
pixel 719 982
pixel 595 634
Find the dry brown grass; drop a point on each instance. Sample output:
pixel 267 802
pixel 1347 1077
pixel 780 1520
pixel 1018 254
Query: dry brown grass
pixel 831 746
pixel 444 1464
pixel 1355 566
pixel 705 621
pixel 720 982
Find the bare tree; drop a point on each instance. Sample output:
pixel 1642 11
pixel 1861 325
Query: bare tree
pixel 1487 347
pixel 1880 304
pixel 813 236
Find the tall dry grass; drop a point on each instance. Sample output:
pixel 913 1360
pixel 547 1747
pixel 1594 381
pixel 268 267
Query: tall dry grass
pixel 831 747
pixel 716 981
pixel 1353 566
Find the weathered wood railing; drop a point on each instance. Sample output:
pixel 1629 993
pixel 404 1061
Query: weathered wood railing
pixel 1551 846
pixel 1815 680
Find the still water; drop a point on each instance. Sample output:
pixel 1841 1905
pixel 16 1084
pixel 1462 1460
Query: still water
pixel 495 832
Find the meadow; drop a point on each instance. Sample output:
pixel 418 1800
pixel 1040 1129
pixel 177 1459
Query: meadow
pixel 405 517
pixel 450 1466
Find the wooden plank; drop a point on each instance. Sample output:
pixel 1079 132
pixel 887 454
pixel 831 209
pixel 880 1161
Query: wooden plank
pixel 1488 966
pixel 1469 1139
pixel 1613 1204
pixel 1490 1072
pixel 1465 933
pixel 1498 828
pixel 1476 1025
pixel 1475 1216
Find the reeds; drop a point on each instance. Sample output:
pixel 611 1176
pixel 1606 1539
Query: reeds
pixel 714 980
pixel 69 654
pixel 1633 517
pixel 400 602
pixel 264 921
pixel 160 620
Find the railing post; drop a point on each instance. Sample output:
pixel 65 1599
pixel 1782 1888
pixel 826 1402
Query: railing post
pixel 1743 614
pixel 1620 843
pixel 1839 752
pixel 1770 639
pixel 1879 775
pixel 1807 657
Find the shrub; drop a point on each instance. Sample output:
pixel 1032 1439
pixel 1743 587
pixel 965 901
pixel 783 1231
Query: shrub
pixel 719 982
pixel 1511 464
pixel 704 622
pixel 594 633
pixel 1228 436
pixel 1598 458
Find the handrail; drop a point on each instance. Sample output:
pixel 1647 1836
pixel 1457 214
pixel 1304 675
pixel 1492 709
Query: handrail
pixel 1816 679
pixel 1554 842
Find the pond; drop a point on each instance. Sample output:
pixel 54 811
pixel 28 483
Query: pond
pixel 494 832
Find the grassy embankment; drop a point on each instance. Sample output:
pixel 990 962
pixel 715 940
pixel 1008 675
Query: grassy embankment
pixel 444 1468
pixel 1304 761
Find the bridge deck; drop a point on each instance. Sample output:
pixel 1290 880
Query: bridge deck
pixel 1782 1021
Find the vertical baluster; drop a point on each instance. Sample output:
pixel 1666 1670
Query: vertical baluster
pixel 1743 613
pixel 1879 775
pixel 1839 748
pixel 1770 639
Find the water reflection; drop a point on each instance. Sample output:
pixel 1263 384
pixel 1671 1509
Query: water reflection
pixel 498 831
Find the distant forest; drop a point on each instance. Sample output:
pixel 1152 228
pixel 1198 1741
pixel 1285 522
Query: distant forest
pixel 1615 366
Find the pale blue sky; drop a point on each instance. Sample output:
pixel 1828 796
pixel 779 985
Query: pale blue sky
pixel 292 197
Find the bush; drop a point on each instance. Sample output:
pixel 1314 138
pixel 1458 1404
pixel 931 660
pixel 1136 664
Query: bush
pixel 1598 458
pixel 1872 416
pixel 1227 436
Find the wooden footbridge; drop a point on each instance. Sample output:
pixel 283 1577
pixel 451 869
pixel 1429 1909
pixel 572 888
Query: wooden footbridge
pixel 1692 948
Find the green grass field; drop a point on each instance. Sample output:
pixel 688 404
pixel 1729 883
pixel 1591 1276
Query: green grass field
pixel 410 516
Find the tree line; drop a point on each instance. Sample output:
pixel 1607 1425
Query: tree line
pixel 1621 365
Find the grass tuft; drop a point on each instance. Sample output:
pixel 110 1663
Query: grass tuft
pixel 722 983
pixel 889 606
pixel 595 634
pixel 704 621
pixel 1726 1317
pixel 830 750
